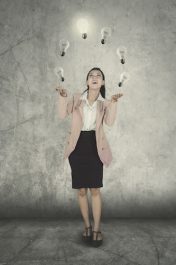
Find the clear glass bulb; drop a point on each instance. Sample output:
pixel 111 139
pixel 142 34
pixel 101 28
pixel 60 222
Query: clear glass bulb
pixel 63 46
pixel 59 72
pixel 121 52
pixel 124 77
pixel 82 26
pixel 105 34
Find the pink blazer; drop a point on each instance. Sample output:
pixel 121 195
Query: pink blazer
pixel 106 111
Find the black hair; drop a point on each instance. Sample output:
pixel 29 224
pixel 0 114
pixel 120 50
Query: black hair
pixel 102 89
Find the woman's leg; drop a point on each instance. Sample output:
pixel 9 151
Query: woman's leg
pixel 96 209
pixel 84 207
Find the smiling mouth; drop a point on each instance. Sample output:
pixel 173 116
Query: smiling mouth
pixel 94 82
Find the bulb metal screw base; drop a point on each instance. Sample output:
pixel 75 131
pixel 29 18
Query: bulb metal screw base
pixel 84 35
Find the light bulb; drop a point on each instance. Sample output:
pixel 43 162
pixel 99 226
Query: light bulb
pixel 124 77
pixel 63 46
pixel 59 72
pixel 82 26
pixel 121 52
pixel 105 33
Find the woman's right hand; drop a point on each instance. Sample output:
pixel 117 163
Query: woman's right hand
pixel 62 91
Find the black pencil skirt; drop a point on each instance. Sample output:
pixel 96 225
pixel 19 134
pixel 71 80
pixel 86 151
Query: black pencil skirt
pixel 86 166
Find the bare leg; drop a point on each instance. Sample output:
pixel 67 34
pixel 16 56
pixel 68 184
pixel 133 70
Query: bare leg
pixel 96 209
pixel 84 207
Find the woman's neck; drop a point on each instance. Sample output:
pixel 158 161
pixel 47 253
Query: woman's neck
pixel 92 95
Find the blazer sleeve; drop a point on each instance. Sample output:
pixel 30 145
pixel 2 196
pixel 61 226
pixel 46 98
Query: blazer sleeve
pixel 65 106
pixel 110 113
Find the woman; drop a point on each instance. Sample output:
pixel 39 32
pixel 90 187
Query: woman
pixel 88 149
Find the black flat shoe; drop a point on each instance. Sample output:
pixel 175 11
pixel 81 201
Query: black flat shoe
pixel 88 237
pixel 96 242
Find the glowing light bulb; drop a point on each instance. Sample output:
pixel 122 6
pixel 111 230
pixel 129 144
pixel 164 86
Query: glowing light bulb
pixel 121 52
pixel 124 77
pixel 105 34
pixel 63 46
pixel 82 26
pixel 59 72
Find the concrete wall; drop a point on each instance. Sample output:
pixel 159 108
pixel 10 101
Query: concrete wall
pixel 141 181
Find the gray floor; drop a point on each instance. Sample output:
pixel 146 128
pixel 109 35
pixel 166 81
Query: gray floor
pixel 126 242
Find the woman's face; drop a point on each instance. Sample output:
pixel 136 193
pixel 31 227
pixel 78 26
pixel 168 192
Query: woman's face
pixel 95 79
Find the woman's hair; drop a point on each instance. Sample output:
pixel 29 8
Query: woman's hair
pixel 102 89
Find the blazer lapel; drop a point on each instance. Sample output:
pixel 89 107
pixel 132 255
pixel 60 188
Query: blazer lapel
pixel 82 103
pixel 100 111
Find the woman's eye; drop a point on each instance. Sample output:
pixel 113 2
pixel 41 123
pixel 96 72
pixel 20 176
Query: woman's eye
pixel 97 75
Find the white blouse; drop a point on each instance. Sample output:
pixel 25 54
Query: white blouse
pixel 89 113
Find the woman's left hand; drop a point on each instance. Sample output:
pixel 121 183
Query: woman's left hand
pixel 115 97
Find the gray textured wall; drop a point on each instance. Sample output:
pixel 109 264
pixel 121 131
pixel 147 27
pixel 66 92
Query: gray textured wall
pixel 141 180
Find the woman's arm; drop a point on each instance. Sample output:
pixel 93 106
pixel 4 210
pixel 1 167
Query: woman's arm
pixel 65 105
pixel 111 109
pixel 110 113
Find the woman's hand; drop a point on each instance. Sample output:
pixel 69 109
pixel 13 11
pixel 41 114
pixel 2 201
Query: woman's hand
pixel 115 97
pixel 62 91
